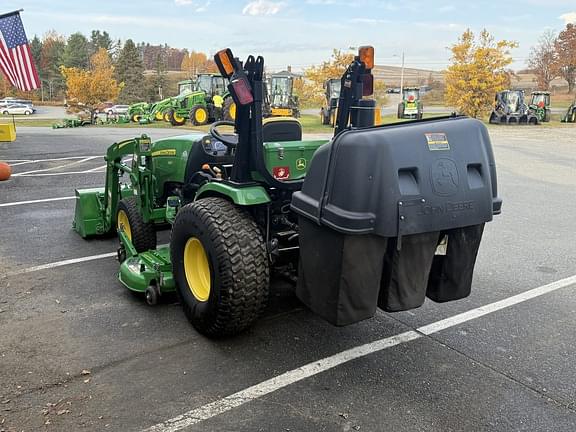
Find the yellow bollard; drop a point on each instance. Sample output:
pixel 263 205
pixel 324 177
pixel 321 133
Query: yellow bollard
pixel 7 132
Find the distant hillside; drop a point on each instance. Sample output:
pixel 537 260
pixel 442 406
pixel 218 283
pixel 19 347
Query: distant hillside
pixel 412 76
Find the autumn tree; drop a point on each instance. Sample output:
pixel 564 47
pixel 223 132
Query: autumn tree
pixel 478 72
pixel 76 51
pixel 542 60
pixel 130 72
pixel 566 55
pixel 195 63
pixel 88 88
pixel 311 90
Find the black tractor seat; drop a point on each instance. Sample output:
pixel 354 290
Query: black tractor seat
pixel 277 129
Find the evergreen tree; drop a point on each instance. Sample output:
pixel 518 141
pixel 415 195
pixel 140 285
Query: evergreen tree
pixel 130 72
pixel 100 40
pixel 36 49
pixel 156 85
pixel 76 53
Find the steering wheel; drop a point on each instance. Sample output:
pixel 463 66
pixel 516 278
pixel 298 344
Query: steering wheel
pixel 229 141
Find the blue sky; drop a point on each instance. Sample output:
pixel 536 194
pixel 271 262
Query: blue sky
pixel 303 32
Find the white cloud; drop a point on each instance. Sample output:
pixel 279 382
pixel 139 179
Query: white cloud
pixel 263 7
pixel 321 2
pixel 569 18
pixel 183 2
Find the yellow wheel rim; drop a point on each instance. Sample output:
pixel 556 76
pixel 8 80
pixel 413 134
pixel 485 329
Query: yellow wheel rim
pixel 197 269
pixel 159 116
pixel 178 119
pixel 200 115
pixel 232 111
pixel 124 224
pixel 166 117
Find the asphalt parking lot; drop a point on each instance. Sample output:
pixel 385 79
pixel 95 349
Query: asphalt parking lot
pixel 79 352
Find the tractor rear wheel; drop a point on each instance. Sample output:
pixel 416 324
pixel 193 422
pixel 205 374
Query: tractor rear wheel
pixel 199 115
pixel 167 116
pixel 229 109
pixel 175 118
pixel 547 115
pixel 129 219
pixel 401 110
pixel 135 118
pixel 220 266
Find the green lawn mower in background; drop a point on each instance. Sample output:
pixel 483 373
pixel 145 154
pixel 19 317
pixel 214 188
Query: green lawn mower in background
pixel 243 206
pixel 540 106
pixel 411 106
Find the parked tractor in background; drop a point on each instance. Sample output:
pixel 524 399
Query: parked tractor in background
pixel 138 110
pixel 570 116
pixel 411 106
pixel 510 108
pixel 540 105
pixel 283 103
pixel 261 201
pixel 207 103
pixel 186 85
pixel 332 94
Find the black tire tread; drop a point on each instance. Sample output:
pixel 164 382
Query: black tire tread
pixel 242 265
pixel 143 234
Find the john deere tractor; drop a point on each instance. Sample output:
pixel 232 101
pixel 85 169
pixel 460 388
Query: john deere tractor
pixel 376 217
pixel 283 103
pixel 137 111
pixel 411 106
pixel 510 108
pixel 540 105
pixel 332 94
pixel 570 116
pixel 208 102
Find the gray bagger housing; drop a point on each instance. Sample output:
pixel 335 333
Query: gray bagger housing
pixel 378 206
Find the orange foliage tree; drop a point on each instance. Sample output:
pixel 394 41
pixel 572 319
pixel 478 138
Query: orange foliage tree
pixel 197 62
pixel 478 72
pixel 88 88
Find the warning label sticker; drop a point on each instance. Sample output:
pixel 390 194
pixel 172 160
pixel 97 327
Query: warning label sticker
pixel 437 141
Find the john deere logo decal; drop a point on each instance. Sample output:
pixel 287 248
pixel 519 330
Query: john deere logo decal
pixel 301 164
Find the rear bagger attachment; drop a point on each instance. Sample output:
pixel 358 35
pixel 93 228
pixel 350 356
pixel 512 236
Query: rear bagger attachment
pixel 393 214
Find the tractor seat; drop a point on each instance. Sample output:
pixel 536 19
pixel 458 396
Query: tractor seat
pixel 278 129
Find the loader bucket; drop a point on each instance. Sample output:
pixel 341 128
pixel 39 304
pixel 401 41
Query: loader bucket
pixel 390 215
pixel 89 215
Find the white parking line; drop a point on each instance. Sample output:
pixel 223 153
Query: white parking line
pixel 90 171
pixel 15 203
pixel 14 162
pixel 61 263
pixel 86 159
pixel 264 388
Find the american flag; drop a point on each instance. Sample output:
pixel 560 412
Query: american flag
pixel 15 56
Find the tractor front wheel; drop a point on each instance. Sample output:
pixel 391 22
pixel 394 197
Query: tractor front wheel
pixel 129 219
pixel 176 119
pixel 220 266
pixel 199 115
pixel 229 109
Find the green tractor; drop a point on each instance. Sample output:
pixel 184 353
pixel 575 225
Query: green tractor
pixel 137 111
pixel 282 101
pixel 208 102
pixel 332 93
pixel 186 86
pixel 540 105
pixel 261 201
pixel 570 116
pixel 411 106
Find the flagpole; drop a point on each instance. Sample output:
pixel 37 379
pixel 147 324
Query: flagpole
pixel 11 13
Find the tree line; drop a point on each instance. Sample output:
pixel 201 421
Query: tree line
pixel 129 61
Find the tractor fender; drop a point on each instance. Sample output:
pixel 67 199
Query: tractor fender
pixel 244 196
